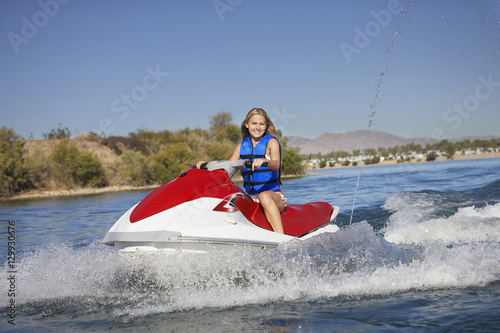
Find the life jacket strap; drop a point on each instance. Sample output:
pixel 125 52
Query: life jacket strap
pixel 245 172
pixel 261 183
pixel 251 157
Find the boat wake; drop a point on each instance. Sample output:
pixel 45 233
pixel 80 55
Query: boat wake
pixel 431 240
pixel 422 221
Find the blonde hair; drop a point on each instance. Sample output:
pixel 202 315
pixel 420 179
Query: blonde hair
pixel 270 128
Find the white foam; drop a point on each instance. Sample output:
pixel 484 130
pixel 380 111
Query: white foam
pixel 413 222
pixel 352 262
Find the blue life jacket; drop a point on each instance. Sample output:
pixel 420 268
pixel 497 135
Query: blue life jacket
pixel 261 179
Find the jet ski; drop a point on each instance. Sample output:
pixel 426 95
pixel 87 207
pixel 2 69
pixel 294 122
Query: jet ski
pixel 202 209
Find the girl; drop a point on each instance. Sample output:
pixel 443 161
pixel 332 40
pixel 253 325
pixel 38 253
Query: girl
pixel 259 144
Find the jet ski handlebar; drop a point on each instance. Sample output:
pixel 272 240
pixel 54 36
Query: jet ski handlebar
pixel 230 166
pixel 248 164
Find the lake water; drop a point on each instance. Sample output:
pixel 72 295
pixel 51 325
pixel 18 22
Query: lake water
pixel 422 255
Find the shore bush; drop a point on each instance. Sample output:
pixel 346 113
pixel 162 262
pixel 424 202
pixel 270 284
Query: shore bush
pixel 171 160
pixel 58 133
pixel 133 169
pixel 144 157
pixel 14 174
pixel 219 151
pixel 291 162
pixel 222 127
pixel 74 167
pixel 39 169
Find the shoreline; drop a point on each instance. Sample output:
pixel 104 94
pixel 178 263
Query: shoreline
pixel 50 194
pixel 479 156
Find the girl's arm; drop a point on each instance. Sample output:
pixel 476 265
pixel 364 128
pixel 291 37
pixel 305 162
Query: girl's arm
pixel 236 153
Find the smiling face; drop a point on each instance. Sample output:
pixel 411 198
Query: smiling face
pixel 256 126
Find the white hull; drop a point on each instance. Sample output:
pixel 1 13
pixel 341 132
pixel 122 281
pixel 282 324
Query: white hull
pixel 195 226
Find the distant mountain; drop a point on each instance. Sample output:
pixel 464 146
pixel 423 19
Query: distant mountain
pixel 328 142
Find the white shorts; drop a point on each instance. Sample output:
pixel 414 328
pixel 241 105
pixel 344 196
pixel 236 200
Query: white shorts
pixel 255 197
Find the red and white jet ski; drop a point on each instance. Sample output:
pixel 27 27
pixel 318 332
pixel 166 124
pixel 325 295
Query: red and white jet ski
pixel 203 209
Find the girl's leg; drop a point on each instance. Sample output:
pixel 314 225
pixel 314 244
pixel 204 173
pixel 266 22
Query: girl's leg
pixel 273 205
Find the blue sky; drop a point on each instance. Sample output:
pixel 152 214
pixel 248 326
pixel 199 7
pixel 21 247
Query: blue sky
pixel 113 67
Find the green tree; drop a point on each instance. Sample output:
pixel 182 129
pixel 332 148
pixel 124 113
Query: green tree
pixel 431 156
pixel 14 174
pixel 219 151
pixel 134 168
pixel 89 171
pixel 39 169
pixel 291 162
pixel 220 120
pixel 370 151
pixel 450 150
pixel 75 167
pixel 222 127
pixel 171 160
pixel 58 133
pixel 494 143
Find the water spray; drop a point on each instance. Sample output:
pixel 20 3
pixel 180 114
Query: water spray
pixel 376 101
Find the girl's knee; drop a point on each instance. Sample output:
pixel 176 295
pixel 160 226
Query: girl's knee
pixel 265 197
